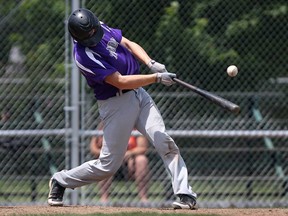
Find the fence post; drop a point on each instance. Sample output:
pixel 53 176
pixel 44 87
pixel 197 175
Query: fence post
pixel 75 115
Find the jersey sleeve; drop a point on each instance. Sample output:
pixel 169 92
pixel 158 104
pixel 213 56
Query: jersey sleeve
pixel 115 33
pixel 94 69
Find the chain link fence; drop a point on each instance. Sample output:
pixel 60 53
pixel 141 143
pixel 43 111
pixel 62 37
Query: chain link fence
pixel 233 160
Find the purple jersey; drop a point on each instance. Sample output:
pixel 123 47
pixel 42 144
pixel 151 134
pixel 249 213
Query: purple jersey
pixel 107 57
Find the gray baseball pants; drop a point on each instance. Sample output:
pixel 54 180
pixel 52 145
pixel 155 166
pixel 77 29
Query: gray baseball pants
pixel 120 115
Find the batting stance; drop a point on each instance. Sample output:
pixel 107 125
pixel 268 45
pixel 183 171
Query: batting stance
pixel 109 63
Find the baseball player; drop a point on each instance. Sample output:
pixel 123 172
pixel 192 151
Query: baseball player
pixel 109 62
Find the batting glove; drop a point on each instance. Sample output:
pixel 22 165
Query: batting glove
pixel 166 78
pixel 156 67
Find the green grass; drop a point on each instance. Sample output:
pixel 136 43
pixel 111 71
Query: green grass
pixel 19 190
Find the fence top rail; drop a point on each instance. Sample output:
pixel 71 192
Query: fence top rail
pixel 176 133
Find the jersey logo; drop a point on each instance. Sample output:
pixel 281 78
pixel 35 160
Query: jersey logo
pixel 111 47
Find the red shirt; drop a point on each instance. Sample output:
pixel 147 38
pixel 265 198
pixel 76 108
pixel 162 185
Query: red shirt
pixel 132 143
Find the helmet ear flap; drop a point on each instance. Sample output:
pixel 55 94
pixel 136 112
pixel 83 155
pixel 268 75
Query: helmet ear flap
pixel 84 27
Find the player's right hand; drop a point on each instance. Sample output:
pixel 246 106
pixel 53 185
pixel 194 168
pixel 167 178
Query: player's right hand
pixel 166 78
pixel 156 67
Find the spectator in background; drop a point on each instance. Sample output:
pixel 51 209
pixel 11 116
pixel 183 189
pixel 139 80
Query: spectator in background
pixel 6 142
pixel 16 62
pixel 5 116
pixel 135 160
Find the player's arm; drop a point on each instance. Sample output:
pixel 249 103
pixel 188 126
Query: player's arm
pixel 130 81
pixel 136 81
pixel 136 50
pixel 142 56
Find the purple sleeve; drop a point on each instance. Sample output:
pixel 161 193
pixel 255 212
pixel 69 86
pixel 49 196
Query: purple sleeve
pixel 115 33
pixel 95 70
pixel 101 73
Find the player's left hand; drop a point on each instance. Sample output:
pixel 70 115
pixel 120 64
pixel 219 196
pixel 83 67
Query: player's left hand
pixel 156 67
pixel 166 78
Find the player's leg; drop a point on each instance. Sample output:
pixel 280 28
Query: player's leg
pixel 119 115
pixel 150 124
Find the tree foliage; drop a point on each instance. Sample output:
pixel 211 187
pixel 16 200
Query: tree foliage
pixel 210 33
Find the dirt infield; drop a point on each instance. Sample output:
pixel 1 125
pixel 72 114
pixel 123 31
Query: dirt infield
pixel 80 210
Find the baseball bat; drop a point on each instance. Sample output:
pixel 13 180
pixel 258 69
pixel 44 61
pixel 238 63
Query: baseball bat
pixel 227 105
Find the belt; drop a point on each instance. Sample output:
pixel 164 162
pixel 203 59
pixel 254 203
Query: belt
pixel 123 91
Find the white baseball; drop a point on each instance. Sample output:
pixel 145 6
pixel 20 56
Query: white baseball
pixel 232 70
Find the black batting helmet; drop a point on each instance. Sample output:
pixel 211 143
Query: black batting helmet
pixel 85 27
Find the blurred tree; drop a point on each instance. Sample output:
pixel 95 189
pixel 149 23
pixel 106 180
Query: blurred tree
pixel 39 27
pixel 8 10
pixel 217 33
pixel 186 35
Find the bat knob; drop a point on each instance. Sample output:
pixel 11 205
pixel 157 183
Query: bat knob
pixel 236 109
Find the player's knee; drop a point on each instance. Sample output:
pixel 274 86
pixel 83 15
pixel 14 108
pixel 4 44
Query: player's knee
pixel 164 144
pixel 110 166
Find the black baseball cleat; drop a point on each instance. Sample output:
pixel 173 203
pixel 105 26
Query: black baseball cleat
pixel 55 197
pixel 186 202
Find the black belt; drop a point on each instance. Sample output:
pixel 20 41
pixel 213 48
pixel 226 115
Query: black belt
pixel 126 90
pixel 120 92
